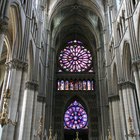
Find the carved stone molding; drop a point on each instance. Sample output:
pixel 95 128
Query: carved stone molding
pixel 32 85
pixel 41 98
pixel 125 84
pixel 17 64
pixel 4 25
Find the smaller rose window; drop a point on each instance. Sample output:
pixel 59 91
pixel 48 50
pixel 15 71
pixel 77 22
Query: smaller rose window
pixel 75 57
pixel 75 117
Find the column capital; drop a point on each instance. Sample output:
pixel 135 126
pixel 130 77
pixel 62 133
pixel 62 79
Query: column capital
pixel 17 64
pixel 32 85
pixel 4 24
pixel 41 98
pixel 123 84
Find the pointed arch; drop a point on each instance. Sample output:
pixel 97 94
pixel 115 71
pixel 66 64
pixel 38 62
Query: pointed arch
pixel 75 114
pixel 77 98
pixel 127 62
pixel 14 33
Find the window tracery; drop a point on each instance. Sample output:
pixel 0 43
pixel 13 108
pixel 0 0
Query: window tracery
pixel 75 57
pixel 75 60
pixel 75 85
pixel 75 117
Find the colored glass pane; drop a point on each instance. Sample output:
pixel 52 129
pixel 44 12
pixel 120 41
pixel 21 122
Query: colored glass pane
pixel 75 57
pixel 67 85
pixel 75 117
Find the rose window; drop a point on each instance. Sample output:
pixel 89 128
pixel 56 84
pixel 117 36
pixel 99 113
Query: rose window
pixel 75 57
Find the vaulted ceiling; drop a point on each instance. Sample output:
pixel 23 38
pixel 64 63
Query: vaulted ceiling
pixel 76 19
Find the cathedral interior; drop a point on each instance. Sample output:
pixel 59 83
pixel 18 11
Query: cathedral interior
pixel 70 69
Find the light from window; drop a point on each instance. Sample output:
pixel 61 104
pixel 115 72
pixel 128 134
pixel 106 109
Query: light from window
pixel 75 117
pixel 75 85
pixel 75 57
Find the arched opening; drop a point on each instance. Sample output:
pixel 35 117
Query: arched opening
pixel 75 39
pixel 10 45
pixel 74 61
pixel 14 32
pixel 127 63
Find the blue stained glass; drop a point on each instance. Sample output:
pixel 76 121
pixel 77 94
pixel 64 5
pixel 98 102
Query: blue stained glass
pixel 75 117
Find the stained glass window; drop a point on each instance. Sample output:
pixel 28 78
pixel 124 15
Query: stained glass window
pixel 58 85
pixel 75 117
pixel 62 85
pixel 67 85
pixel 75 57
pixel 75 85
pixel 88 85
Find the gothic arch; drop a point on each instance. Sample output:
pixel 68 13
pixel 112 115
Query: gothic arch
pixel 84 25
pixel 126 62
pixel 93 6
pixel 61 23
pixel 14 33
pixel 79 99
pixel 8 47
pixel 83 122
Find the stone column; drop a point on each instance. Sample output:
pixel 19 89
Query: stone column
pixel 137 81
pixel 133 108
pixel 15 73
pixel 28 106
pixel 115 117
pixel 3 29
pixel 111 119
pixel 138 65
pixel 122 115
pixel 129 105
pixel 38 132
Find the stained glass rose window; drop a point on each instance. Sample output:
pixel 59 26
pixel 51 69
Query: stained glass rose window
pixel 75 57
pixel 75 117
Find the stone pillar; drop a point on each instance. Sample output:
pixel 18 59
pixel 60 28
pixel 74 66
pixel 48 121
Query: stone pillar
pixel 129 105
pixel 3 29
pixel 115 117
pixel 138 65
pixel 28 106
pixel 26 37
pixel 15 75
pixel 122 114
pixel 111 119
pixel 137 81
pixel 39 112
